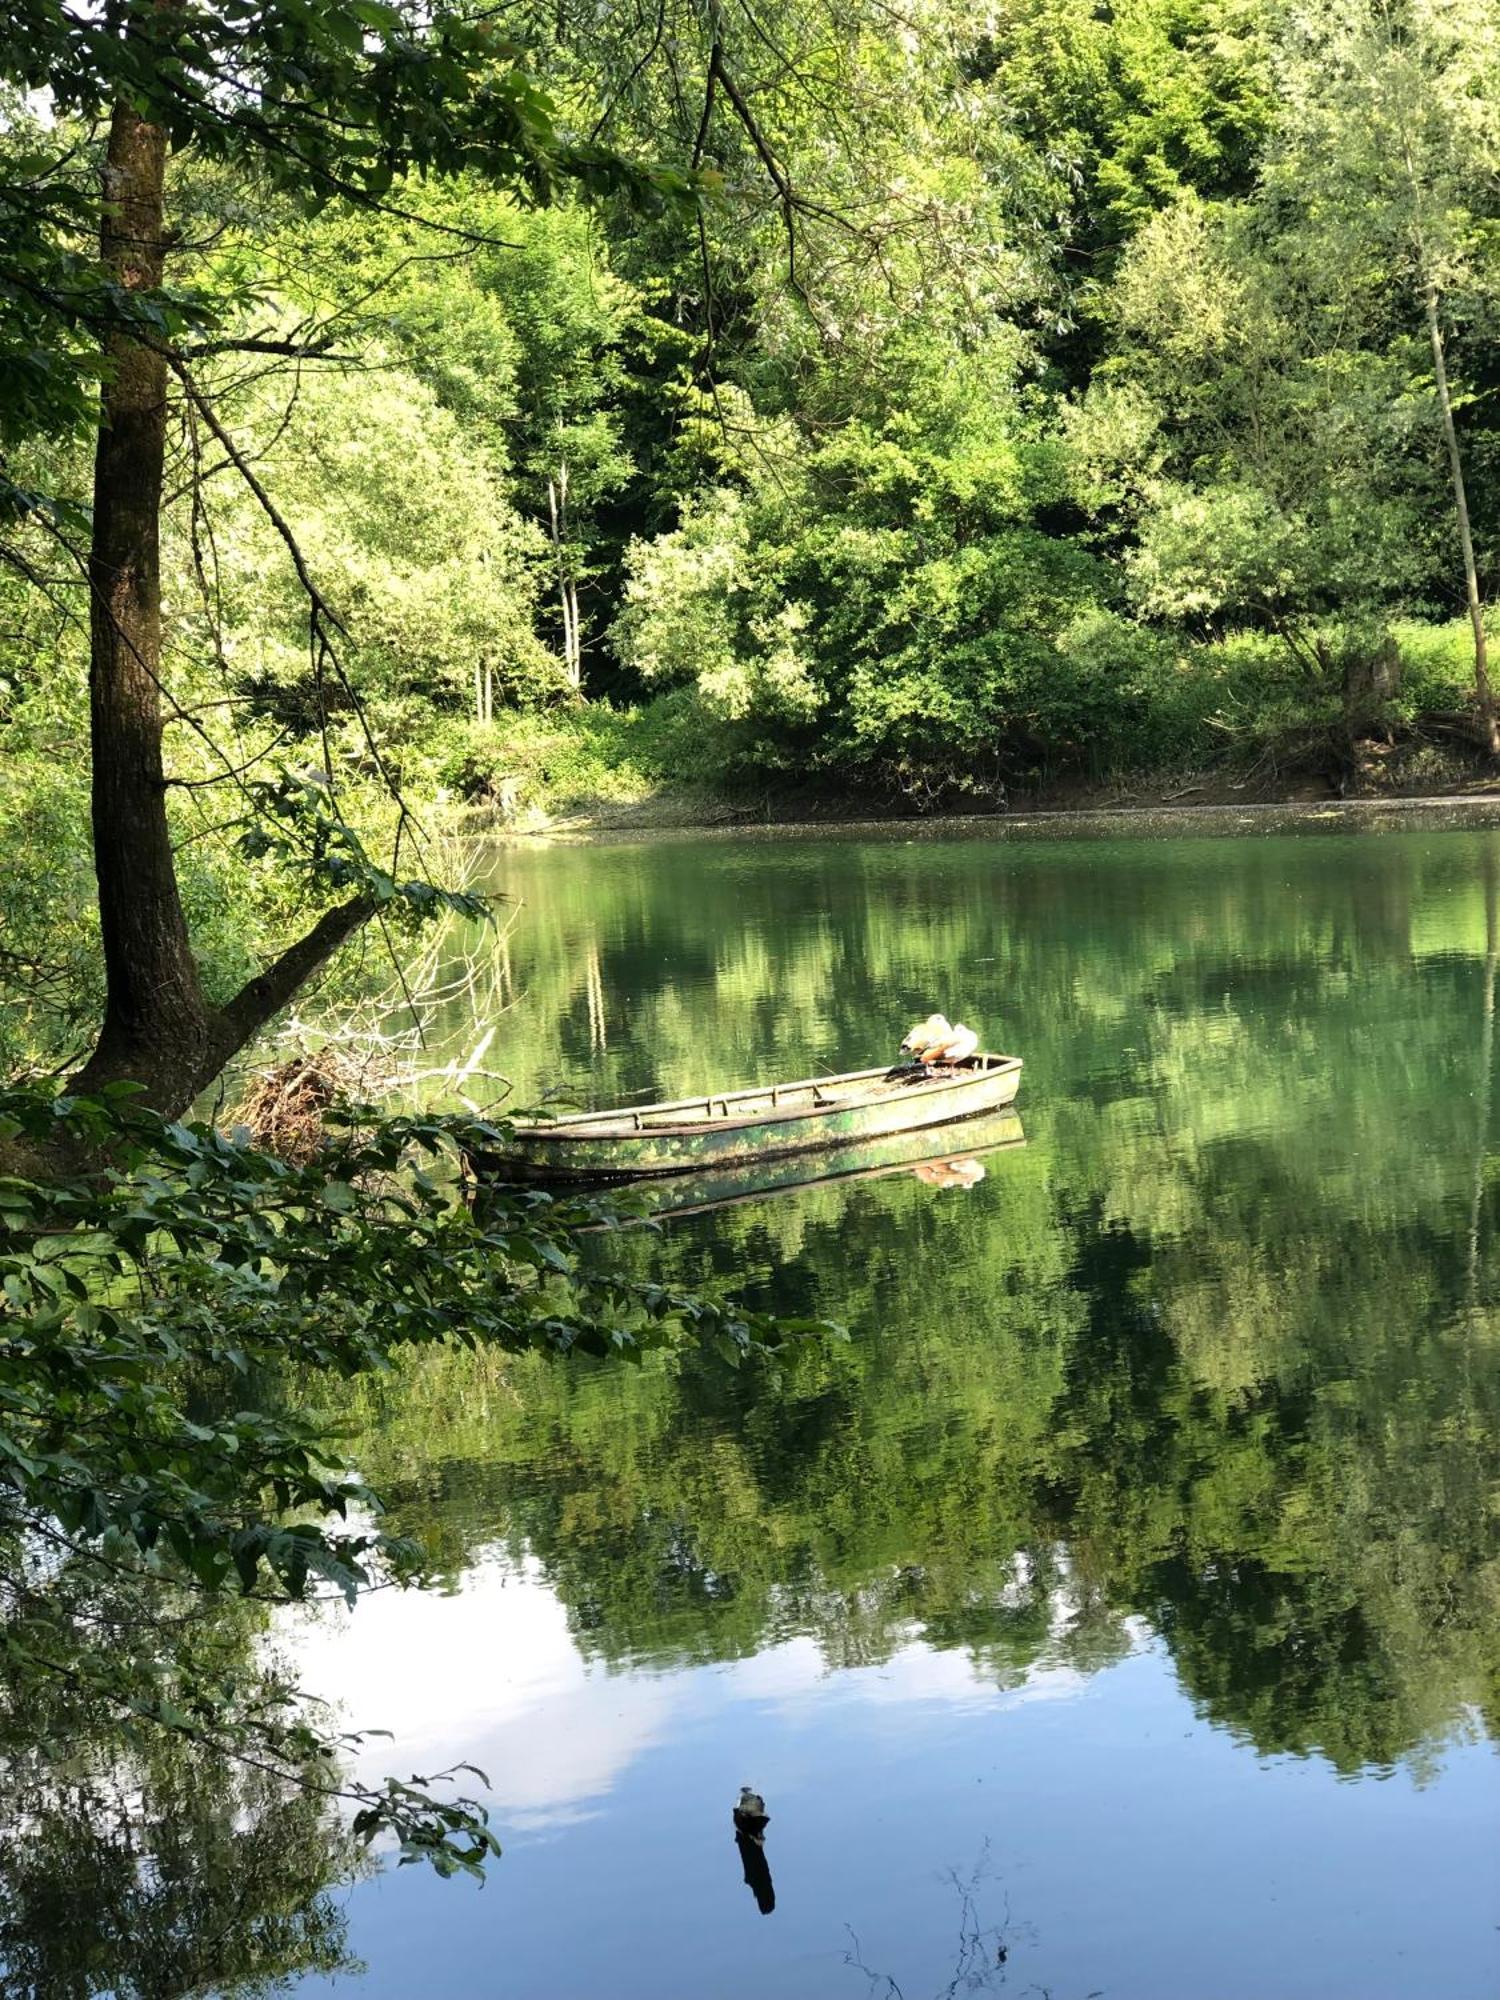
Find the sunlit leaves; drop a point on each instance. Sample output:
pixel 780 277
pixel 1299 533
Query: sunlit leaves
pixel 327 103
pixel 300 822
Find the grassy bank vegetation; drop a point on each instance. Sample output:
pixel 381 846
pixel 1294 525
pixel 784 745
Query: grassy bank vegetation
pixel 1225 715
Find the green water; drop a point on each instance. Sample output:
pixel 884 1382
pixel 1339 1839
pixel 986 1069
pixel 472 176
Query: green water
pixel 1132 1570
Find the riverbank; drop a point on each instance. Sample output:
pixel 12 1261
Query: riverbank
pixel 666 814
pixel 599 771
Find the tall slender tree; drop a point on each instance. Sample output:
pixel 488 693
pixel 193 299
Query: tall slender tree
pixel 1389 152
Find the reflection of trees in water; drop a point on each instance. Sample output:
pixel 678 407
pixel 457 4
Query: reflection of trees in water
pixel 982 1959
pixel 1318 1554
pixel 137 1862
pixel 736 961
pixel 1218 1348
pixel 164 1879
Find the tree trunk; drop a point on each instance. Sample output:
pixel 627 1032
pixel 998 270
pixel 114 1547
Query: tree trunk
pixel 1372 678
pixel 567 594
pixel 575 639
pixel 1482 694
pixel 158 1031
pixel 154 1018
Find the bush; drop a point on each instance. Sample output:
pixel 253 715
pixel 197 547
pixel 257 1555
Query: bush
pixel 1437 667
pixel 1127 697
pixel 533 767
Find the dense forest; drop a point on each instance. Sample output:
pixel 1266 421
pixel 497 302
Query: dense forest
pixel 911 409
pixel 914 406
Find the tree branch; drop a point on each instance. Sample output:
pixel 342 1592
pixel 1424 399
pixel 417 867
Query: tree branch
pixel 260 999
pixel 248 344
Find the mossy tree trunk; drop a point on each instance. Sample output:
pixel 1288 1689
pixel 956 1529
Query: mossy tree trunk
pixel 1483 695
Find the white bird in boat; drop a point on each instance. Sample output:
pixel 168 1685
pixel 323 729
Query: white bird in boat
pixel 957 1047
pixel 939 1040
pixel 927 1035
pixel 750 1815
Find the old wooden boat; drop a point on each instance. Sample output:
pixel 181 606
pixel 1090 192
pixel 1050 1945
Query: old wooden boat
pixel 693 1133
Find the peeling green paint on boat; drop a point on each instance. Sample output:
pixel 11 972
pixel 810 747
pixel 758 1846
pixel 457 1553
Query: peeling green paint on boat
pixel 742 1126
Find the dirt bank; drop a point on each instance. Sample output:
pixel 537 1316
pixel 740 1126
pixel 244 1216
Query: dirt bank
pixel 1210 806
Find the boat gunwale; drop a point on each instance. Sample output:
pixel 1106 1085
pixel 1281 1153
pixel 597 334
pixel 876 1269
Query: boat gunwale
pixel 611 1125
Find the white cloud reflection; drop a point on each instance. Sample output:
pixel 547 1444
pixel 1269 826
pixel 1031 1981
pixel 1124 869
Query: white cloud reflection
pixel 473 1675
pixel 491 1674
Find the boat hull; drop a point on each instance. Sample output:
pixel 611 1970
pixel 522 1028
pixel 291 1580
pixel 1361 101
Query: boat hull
pixel 715 1187
pixel 743 1127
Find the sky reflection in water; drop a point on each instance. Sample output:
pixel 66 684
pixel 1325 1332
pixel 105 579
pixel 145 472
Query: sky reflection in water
pixel 1117 1843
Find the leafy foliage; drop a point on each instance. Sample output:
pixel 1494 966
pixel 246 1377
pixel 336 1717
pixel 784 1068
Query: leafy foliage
pixel 149 1301
pixel 1123 331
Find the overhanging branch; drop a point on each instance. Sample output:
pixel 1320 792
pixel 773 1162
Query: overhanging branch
pixel 262 998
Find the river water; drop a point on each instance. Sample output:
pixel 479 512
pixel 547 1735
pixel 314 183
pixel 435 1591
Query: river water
pixel 1117 1611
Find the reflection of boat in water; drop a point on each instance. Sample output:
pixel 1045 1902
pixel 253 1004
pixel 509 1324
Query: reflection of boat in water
pixel 965 1173
pixel 750 1127
pixel 929 1156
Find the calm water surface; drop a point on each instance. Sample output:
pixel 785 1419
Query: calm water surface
pixel 1117 1612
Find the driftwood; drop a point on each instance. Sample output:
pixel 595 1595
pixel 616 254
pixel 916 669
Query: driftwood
pixel 283 1108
